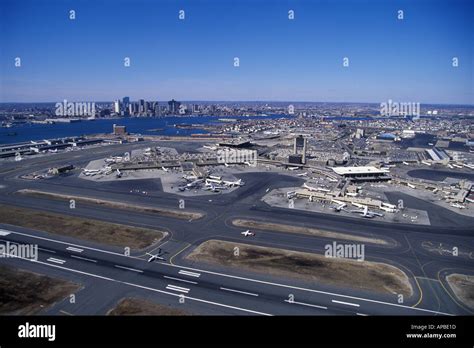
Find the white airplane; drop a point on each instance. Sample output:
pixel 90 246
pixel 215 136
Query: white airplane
pixel 165 169
pixel 90 172
pixel 311 188
pixel 302 174
pixel 155 257
pixel 457 205
pixel 388 209
pixel 214 188
pixel 366 212
pixel 340 205
pixel 214 181
pixel 467 165
pixel 293 168
pixel 247 233
pixel 190 185
pixel 234 183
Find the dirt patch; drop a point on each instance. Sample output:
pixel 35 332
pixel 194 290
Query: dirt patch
pixel 136 306
pixel 81 228
pixel 177 214
pixel 463 287
pixel 275 227
pixel 363 275
pixel 27 293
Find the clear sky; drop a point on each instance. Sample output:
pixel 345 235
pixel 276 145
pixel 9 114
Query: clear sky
pixel 407 60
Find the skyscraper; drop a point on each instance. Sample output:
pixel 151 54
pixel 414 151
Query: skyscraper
pixel 173 106
pixel 125 104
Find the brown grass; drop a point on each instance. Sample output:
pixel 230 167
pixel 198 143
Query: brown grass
pixel 173 213
pixel 26 293
pixel 463 287
pixel 81 228
pixel 135 306
pixel 363 275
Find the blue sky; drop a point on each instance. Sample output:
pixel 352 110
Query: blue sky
pixel 281 60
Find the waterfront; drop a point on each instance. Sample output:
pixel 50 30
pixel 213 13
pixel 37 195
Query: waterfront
pixel 144 126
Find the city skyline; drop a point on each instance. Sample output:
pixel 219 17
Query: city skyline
pixel 299 60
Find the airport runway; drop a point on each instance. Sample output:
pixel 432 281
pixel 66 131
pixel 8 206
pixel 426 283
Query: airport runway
pixel 211 289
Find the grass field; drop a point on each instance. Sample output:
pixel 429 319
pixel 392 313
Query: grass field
pixel 365 275
pixel 81 228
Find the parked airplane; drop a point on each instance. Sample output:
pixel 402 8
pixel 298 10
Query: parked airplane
pixel 214 188
pixel 233 183
pixel 311 188
pixel 247 233
pixel 340 205
pixel 190 185
pixel 365 212
pixel 91 172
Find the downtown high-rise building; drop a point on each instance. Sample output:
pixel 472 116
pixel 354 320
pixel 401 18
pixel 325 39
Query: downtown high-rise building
pixel 173 106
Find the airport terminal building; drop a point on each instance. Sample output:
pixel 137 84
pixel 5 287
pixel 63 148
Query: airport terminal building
pixel 367 173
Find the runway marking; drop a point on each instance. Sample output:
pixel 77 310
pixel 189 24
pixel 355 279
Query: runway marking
pixel 346 303
pixel 238 291
pixel 145 287
pixel 4 233
pixel 76 245
pixel 83 258
pixel 309 290
pixel 177 288
pixel 179 280
pixel 306 304
pixel 47 250
pixel 51 259
pixel 129 269
pixel 247 279
pixel 191 274
pixel 75 249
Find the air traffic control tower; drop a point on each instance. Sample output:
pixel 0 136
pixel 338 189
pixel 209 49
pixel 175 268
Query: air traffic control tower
pixel 300 143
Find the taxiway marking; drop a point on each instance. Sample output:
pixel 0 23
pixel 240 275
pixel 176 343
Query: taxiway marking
pixel 239 291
